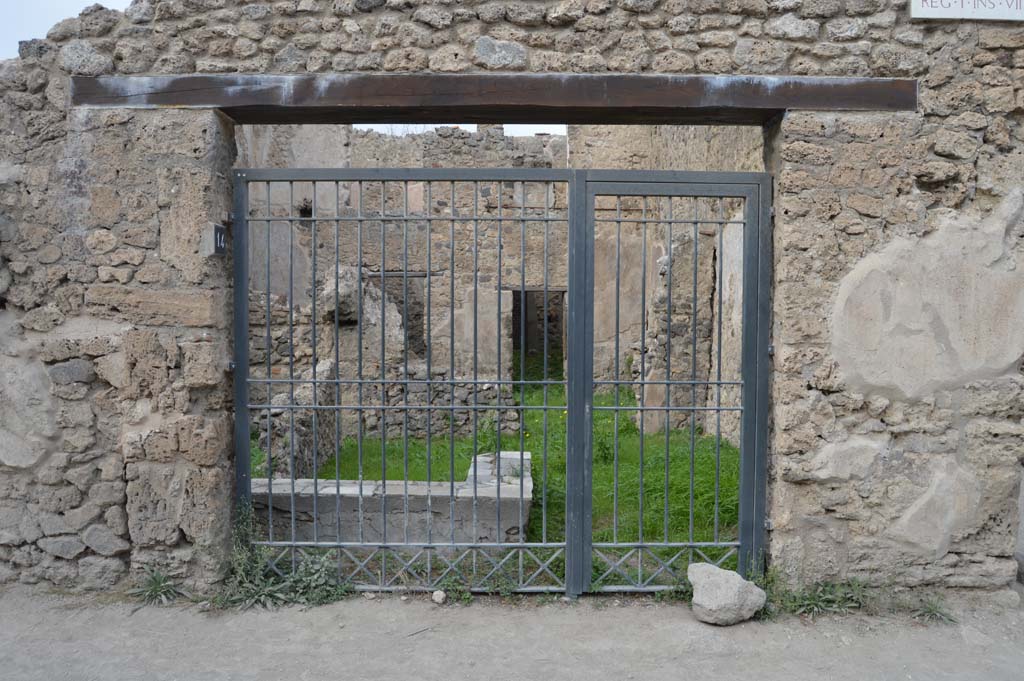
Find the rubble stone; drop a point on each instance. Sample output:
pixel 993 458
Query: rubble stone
pixel 722 597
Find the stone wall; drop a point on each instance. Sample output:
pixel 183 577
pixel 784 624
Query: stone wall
pixel 897 391
pixel 897 436
pixel 115 408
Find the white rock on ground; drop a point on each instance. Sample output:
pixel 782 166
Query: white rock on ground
pixel 721 596
pixel 439 597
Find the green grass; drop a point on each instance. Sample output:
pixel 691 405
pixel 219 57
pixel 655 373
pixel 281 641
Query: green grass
pixel 440 450
pixel 636 456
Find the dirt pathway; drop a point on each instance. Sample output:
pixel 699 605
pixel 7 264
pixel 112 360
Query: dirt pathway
pixel 49 637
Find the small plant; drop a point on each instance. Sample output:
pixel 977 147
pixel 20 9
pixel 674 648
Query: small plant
pixel 315 582
pixel 252 583
pixel 604 450
pixel 157 589
pixel 503 585
pixel 775 591
pixel 825 598
pixel 257 458
pixel 456 590
pixel 932 609
pixel 487 436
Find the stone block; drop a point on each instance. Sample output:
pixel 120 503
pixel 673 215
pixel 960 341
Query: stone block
pixel 430 511
pixel 946 508
pixel 203 364
pixel 28 418
pixel 168 307
pixel 205 441
pixel 790 27
pixel 166 501
pixel 17 524
pixel 98 573
pixel 72 371
pixel 498 55
pixel 81 58
pixel 114 369
pixel 111 493
pixel 66 546
pixel 104 541
pixel 74 520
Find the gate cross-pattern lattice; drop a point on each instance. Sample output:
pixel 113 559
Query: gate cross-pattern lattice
pixel 503 380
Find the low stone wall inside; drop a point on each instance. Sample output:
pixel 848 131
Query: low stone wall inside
pixel 414 512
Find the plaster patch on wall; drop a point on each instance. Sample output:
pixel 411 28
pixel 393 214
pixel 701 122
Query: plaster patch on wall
pixel 934 313
pixel 947 507
pixel 842 461
pixel 27 413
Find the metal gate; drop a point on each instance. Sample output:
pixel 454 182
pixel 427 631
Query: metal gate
pixel 503 380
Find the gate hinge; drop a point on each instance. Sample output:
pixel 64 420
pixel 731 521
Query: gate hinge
pixel 771 350
pixel 232 366
pixel 768 524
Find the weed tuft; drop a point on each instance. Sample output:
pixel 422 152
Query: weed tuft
pixel 824 598
pixel 932 609
pixel 820 598
pixel 315 581
pixel 251 582
pixel 157 589
pixel 456 590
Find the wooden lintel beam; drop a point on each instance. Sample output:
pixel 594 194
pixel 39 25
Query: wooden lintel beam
pixel 496 98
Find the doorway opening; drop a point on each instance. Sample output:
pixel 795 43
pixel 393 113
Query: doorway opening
pixel 538 333
pixel 430 380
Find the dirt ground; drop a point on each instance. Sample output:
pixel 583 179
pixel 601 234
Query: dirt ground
pixel 48 636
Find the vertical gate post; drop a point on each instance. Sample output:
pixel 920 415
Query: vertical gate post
pixel 579 434
pixel 755 363
pixel 765 263
pixel 240 349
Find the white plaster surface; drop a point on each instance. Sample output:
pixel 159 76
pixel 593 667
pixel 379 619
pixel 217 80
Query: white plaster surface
pixel 937 312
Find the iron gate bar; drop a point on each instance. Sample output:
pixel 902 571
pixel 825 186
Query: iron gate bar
pixel 583 189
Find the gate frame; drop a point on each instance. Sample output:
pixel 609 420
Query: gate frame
pixel 583 188
pixel 756 341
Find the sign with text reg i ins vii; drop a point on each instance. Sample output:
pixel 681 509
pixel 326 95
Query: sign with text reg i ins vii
pixel 994 10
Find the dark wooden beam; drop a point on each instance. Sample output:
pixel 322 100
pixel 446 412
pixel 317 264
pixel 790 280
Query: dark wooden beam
pixel 505 98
